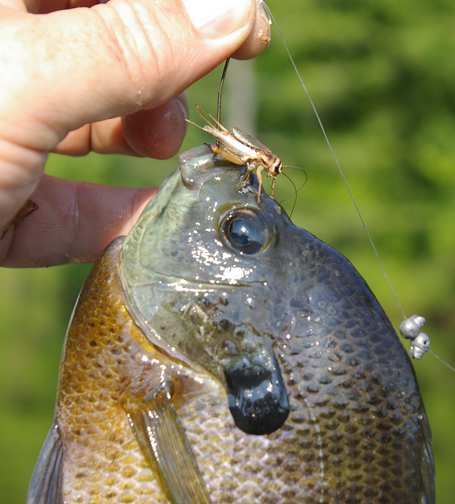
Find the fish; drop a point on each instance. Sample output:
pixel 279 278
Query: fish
pixel 220 354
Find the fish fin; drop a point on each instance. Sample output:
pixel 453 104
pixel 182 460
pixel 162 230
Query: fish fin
pixel 46 484
pixel 167 450
pixel 427 479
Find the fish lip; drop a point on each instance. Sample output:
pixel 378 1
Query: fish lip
pixel 258 399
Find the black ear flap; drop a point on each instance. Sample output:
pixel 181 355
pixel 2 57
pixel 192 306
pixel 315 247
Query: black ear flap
pixel 257 398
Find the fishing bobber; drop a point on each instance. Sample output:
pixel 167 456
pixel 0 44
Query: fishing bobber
pixel 420 342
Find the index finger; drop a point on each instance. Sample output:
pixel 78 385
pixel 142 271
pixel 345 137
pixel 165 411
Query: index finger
pixel 74 222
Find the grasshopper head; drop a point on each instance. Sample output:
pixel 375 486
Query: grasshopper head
pixel 276 167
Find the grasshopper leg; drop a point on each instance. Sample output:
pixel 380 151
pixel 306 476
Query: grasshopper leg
pixel 272 187
pixel 227 155
pixel 259 176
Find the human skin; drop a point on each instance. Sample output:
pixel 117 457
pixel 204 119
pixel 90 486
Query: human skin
pixel 103 78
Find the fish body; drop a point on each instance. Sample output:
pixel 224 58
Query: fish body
pixel 220 354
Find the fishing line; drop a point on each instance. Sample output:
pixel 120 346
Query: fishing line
pixel 220 92
pixel 442 360
pixel 271 18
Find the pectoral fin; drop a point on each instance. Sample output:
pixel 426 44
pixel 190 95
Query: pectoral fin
pixel 166 448
pixel 46 484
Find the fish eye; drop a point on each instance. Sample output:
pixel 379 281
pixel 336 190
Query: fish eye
pixel 245 231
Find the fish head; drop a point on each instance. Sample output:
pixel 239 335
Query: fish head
pixel 202 274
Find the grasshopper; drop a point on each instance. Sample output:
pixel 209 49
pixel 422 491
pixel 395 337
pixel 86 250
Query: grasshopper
pixel 241 148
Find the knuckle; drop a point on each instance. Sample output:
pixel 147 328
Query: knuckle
pixel 137 42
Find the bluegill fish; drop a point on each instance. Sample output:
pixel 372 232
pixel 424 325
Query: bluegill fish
pixel 220 354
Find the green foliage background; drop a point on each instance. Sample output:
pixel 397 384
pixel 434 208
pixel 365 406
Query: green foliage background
pixel 382 75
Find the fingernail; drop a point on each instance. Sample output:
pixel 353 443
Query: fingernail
pixel 218 18
pixel 183 104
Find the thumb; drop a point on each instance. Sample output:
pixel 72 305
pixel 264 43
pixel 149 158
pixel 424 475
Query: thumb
pixel 69 68
pixel 86 65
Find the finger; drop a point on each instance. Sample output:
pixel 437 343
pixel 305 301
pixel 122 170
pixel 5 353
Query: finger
pixel 17 5
pixel 79 66
pixel 259 38
pixel 156 133
pixel 257 41
pixel 159 132
pixel 255 44
pixel 139 55
pixel 75 221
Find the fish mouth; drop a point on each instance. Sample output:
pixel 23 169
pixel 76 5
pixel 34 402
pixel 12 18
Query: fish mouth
pixel 258 399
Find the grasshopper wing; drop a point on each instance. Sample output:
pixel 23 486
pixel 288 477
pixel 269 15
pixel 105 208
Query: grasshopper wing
pixel 249 140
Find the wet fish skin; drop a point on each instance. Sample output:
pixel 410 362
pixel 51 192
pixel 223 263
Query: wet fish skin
pixel 175 308
pixel 108 368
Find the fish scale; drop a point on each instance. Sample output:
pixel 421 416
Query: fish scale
pixel 219 354
pixel 342 415
pixel 103 461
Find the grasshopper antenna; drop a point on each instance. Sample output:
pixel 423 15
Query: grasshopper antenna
pixel 295 187
pixel 293 194
pixel 220 91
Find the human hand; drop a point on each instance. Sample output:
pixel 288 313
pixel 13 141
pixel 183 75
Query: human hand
pixel 102 77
